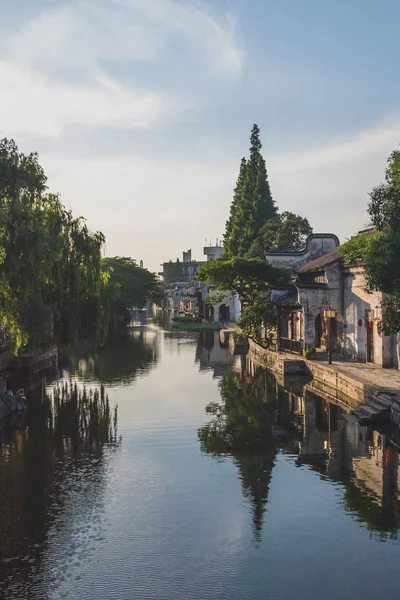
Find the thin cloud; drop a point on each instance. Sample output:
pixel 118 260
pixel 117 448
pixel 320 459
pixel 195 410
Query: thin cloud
pixel 33 104
pixel 330 183
pixel 218 37
pixel 55 71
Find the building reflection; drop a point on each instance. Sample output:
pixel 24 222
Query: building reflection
pixel 333 443
pixel 212 355
pixel 260 415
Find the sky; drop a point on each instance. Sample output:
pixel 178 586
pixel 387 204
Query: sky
pixel 142 109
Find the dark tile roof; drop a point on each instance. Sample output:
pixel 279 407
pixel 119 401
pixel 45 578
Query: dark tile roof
pixel 318 264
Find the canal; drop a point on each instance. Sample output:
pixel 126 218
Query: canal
pixel 217 481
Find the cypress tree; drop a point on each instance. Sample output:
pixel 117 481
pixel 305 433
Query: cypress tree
pixel 252 204
pixel 230 240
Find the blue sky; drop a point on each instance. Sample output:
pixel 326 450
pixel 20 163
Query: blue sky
pixel 141 109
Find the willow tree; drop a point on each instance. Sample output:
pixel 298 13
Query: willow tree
pixel 51 283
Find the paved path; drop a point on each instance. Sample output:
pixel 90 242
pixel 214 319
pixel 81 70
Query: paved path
pixel 367 373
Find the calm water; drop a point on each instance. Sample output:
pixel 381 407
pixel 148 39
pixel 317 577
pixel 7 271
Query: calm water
pixel 221 483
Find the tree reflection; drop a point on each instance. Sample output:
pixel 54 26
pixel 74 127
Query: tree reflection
pixel 241 426
pixel 121 359
pixel 82 416
pixel 52 472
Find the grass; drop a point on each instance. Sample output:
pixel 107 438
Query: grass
pixel 186 319
pixel 193 326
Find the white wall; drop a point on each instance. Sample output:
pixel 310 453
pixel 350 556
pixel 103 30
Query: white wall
pixel 317 245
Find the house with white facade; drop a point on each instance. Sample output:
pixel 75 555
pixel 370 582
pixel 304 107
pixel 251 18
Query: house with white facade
pixel 329 296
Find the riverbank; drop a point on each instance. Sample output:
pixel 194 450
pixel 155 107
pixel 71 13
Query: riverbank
pixel 353 384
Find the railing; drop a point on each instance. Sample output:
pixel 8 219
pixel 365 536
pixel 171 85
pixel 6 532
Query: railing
pixel 290 345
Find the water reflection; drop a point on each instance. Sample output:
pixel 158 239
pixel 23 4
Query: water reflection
pixel 212 355
pixel 334 444
pixel 284 477
pixel 52 474
pixel 121 360
pixel 259 416
pixel 241 426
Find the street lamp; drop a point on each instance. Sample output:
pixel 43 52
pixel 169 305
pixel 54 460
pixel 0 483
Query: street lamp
pixel 330 314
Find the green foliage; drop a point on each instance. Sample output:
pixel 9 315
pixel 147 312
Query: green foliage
pixel 53 286
pixel 196 326
pixel 248 277
pixel 215 298
pixel 241 426
pixel 358 248
pixel 379 252
pixel 260 314
pixel 309 351
pixel 186 319
pixel 131 286
pixel 283 232
pixel 239 337
pixel 251 279
pixel 252 203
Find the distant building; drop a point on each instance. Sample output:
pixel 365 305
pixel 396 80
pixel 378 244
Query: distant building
pixel 187 295
pixel 181 271
pixel 213 251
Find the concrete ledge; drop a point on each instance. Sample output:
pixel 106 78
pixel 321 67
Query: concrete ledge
pixel 277 361
pixel 327 379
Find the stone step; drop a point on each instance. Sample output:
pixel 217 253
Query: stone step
pixel 370 410
pixel 361 415
pixel 383 399
pixel 382 402
pixel 382 408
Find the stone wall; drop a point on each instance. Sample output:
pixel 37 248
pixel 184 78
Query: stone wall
pixel 360 309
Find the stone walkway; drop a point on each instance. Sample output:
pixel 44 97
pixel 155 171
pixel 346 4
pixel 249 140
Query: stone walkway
pixel 367 373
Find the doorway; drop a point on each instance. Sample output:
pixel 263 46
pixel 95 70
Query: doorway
pixel 370 342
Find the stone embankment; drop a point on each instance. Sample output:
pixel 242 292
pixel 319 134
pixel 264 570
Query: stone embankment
pixel 371 393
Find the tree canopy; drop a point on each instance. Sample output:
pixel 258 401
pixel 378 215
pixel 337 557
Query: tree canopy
pixel 251 279
pixel 53 284
pixel 131 286
pixel 247 277
pixel 284 232
pixel 379 249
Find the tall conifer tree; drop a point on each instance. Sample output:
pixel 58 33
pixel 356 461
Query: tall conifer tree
pixel 252 204
pixel 235 205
